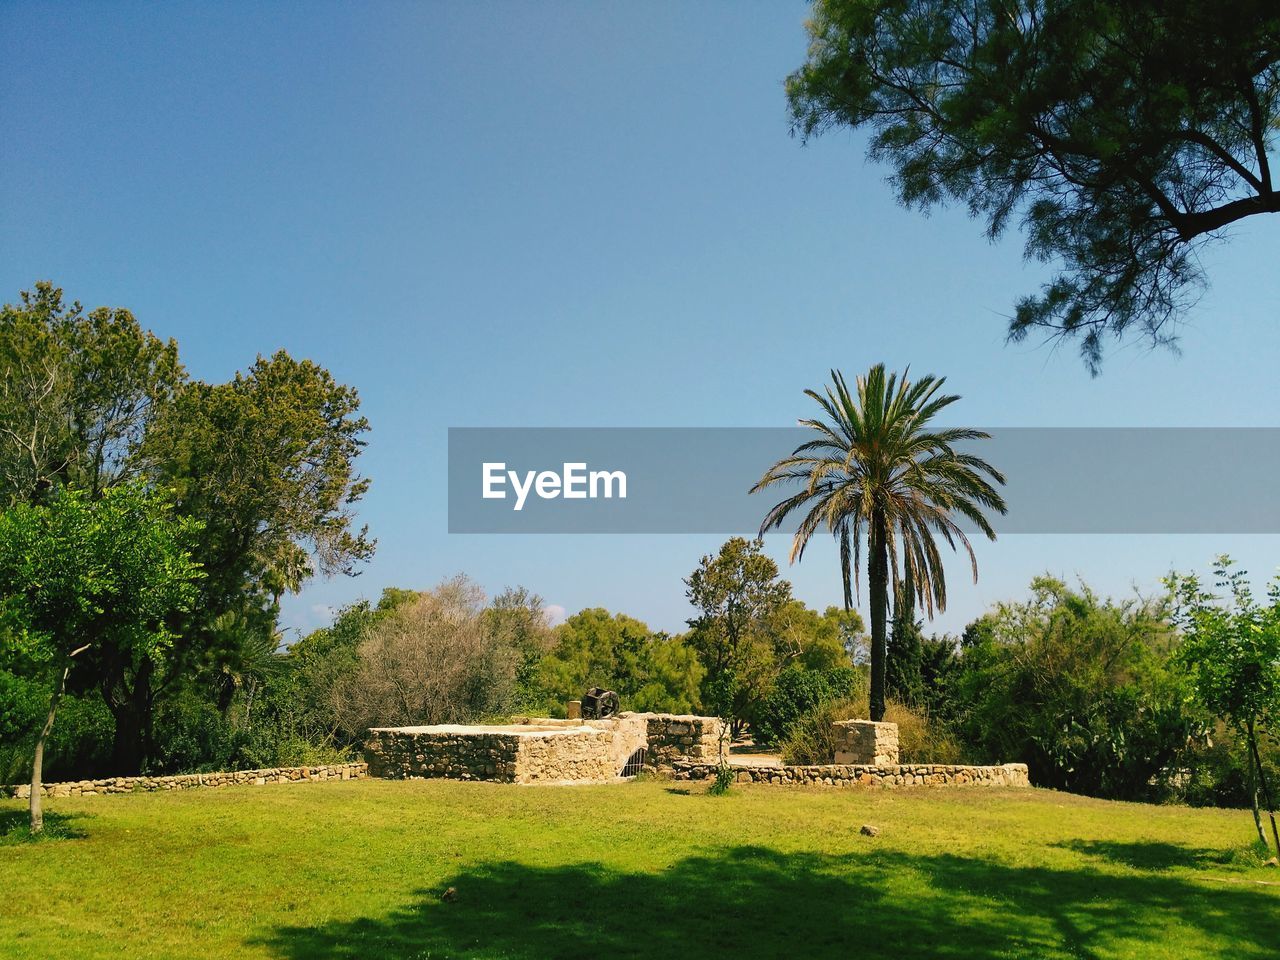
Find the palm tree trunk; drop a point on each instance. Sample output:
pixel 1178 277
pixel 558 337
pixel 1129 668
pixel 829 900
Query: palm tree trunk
pixel 878 587
pixel 846 566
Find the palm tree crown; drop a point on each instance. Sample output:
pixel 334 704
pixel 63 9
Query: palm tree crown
pixel 876 471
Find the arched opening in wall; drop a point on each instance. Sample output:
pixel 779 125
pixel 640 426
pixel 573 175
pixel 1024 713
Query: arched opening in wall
pixel 634 764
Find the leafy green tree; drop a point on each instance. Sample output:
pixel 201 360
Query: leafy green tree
pixel 852 631
pixel 813 641
pixel 519 614
pixel 77 394
pixel 596 648
pixel 1122 134
pixel 939 669
pixel 267 462
pixel 877 471
pixel 799 691
pixel 668 675
pixel 904 651
pixel 89 400
pixel 1080 688
pixel 88 584
pixel 738 596
pixel 1231 650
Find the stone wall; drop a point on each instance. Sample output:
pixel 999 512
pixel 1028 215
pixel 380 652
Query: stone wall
pixel 865 775
pixel 534 750
pixel 671 737
pixel 594 755
pixel 865 742
pixel 189 781
pixel 396 753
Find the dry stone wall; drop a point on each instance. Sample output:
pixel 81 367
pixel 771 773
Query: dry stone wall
pixel 542 751
pixel 395 753
pixel 865 775
pixel 866 742
pixel 190 781
pixel 590 756
pixel 671 737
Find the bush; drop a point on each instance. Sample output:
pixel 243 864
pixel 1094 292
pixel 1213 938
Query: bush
pixel 436 659
pixel 811 738
pixel 796 692
pixel 1219 771
pixel 192 736
pixel 79 747
pixel 723 781
pixel 1080 689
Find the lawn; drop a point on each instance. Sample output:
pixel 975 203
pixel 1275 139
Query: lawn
pixel 635 870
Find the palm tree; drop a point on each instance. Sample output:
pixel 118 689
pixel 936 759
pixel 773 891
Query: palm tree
pixel 877 471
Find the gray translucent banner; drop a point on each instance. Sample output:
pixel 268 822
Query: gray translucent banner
pixel 696 480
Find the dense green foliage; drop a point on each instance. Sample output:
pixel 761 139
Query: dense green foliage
pixel 1079 688
pixel 86 585
pixel 749 630
pixel 594 648
pixel 1123 134
pixel 799 692
pixel 1093 694
pixel 263 467
pixel 735 594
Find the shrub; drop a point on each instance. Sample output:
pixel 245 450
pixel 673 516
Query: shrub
pixel 436 659
pixel 796 692
pixel 1219 771
pixel 1079 688
pixel 811 738
pixel 192 736
pixel 723 781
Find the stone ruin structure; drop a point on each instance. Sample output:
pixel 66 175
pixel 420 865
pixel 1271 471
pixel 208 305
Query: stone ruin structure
pixel 618 747
pixel 543 750
pixel 584 751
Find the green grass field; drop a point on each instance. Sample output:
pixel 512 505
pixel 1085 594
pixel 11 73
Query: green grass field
pixel 637 870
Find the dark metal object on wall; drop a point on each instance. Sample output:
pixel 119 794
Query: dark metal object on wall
pixel 598 703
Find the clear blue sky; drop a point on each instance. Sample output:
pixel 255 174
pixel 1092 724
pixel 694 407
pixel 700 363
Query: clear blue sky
pixel 556 214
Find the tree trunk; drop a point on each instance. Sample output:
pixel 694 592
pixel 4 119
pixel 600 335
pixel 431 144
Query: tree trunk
pixel 1253 804
pixel 1266 788
pixel 878 584
pixel 1257 814
pixel 37 761
pixel 130 746
pixel 846 571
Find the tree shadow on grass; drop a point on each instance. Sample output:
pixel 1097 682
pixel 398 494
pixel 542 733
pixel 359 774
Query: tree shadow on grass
pixel 15 827
pixel 757 902
pixel 1148 854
